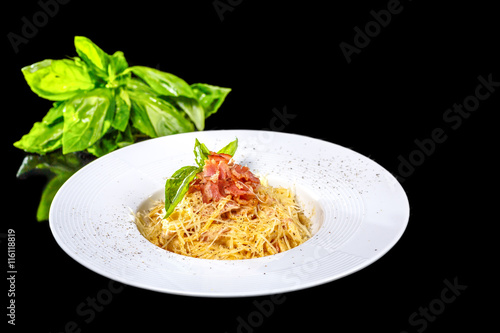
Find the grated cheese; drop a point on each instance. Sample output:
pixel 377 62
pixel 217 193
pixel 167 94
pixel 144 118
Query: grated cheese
pixel 225 229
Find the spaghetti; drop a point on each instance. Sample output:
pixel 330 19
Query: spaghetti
pixel 227 229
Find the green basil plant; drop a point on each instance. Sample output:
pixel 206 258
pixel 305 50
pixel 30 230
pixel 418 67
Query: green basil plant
pixel 101 104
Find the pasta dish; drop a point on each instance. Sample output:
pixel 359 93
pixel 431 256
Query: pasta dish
pixel 226 213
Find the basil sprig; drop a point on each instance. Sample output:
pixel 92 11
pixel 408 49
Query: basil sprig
pixel 178 184
pixel 101 104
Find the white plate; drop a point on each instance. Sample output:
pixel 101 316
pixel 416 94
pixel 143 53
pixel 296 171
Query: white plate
pixel 359 211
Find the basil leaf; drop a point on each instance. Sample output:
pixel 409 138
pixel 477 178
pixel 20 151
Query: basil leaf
pixel 111 141
pixel 54 162
pixel 210 97
pixel 117 76
pixel 117 63
pixel 191 107
pixel 87 117
pixel 156 117
pixel 124 138
pixel 201 153
pixel 95 58
pixel 49 193
pixel 177 186
pixel 163 83
pixel 57 167
pixel 104 145
pixel 44 136
pixel 55 114
pixel 140 87
pixel 58 80
pixel 122 110
pixel 230 148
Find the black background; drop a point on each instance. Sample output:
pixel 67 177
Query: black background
pixel 286 54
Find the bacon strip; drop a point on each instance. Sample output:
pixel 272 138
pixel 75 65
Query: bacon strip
pixel 222 177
